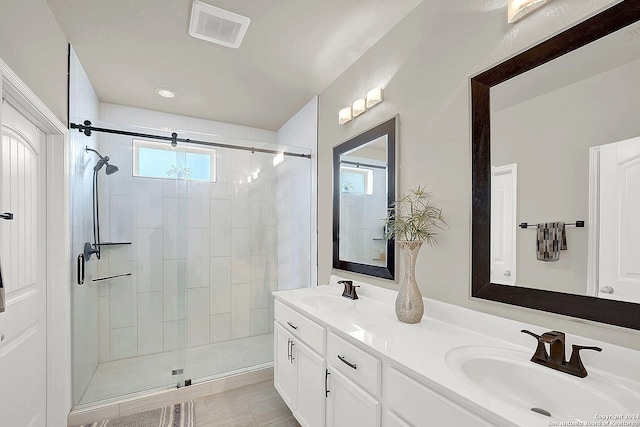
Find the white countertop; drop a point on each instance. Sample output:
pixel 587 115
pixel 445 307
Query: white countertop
pixel 422 348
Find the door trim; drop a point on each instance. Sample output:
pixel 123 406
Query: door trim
pixel 593 245
pixel 58 259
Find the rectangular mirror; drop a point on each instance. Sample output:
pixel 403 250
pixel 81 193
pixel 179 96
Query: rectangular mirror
pixel 556 139
pixel 363 190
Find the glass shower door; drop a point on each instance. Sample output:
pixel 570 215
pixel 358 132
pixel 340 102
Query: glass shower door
pixel 247 234
pixel 129 315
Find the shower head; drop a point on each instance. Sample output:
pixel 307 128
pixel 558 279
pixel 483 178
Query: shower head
pixel 104 160
pixel 111 169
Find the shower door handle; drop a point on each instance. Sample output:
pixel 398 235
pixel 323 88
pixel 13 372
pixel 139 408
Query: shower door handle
pixel 80 269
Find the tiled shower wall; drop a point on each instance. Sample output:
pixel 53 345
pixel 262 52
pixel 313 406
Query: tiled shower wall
pixel 223 240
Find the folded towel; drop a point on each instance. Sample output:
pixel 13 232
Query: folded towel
pixel 551 239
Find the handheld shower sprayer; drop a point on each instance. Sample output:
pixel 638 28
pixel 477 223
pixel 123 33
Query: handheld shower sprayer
pixel 90 249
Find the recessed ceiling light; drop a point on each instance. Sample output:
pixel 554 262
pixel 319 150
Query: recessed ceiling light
pixel 166 93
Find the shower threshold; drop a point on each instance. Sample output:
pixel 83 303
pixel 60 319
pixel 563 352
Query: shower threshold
pixel 142 375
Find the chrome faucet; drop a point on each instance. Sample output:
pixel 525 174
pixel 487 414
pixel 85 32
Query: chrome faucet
pixel 349 289
pixel 555 359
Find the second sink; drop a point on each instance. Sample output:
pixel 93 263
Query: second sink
pixel 509 376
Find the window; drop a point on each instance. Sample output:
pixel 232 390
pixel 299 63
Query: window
pixel 356 180
pixel 160 160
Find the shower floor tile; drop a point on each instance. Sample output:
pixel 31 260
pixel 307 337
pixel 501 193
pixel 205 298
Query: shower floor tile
pixel 128 376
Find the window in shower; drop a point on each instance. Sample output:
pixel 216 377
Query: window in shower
pixel 356 180
pixel 161 160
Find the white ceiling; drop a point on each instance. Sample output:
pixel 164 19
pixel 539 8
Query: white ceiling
pixel 292 51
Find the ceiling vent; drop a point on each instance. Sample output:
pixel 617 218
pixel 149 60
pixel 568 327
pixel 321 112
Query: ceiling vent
pixel 217 25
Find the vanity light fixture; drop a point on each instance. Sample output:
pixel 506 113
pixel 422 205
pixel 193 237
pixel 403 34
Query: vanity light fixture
pixel 344 115
pixel 373 98
pixel 165 93
pixel 359 106
pixel 518 9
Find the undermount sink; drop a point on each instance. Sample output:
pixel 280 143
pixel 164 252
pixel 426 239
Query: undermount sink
pixel 328 301
pixel 509 376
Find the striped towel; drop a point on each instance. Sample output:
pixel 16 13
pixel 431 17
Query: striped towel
pixel 551 239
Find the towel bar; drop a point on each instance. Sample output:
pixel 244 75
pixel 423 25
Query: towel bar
pixel 99 279
pixel 578 223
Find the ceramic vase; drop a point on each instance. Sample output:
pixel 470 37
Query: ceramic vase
pixel 409 304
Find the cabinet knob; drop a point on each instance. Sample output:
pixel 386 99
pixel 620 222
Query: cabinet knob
pixel 606 290
pixel 507 273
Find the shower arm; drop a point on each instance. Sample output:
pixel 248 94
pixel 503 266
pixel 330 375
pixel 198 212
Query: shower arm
pixel 86 148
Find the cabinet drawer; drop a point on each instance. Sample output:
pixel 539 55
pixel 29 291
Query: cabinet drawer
pixel 302 327
pixel 421 406
pixel 355 363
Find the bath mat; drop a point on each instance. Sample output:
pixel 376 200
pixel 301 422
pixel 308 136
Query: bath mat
pixel 178 415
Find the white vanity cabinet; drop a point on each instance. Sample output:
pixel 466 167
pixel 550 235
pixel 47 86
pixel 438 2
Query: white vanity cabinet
pixel 353 384
pixel 348 404
pixel 299 371
pixel 329 380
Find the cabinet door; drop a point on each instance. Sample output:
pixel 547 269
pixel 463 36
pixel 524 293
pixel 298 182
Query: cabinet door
pixel 348 404
pixel 283 366
pixel 421 406
pixel 310 386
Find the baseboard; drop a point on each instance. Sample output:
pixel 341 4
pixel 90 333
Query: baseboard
pixel 162 398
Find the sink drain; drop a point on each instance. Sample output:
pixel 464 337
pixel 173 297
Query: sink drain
pixel 541 411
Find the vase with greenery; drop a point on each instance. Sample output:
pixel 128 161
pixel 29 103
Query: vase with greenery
pixel 412 221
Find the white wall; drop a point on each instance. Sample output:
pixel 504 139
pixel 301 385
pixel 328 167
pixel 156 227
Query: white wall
pixel 549 138
pixel 84 105
pixel 424 65
pixel 34 47
pixel 301 130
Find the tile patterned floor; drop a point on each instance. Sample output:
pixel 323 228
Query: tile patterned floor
pixel 256 405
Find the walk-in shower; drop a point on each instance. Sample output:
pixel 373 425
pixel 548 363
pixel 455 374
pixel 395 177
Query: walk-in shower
pixel 193 238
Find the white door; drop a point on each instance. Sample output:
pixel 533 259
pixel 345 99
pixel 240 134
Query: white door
pixel 503 224
pixel 22 259
pixel 619 249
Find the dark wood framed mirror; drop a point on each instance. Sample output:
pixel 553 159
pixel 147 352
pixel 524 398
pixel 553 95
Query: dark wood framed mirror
pixel 614 312
pixel 364 187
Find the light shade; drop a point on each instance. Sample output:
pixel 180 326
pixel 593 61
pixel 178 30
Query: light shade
pixel 518 9
pixel 359 106
pixel 344 115
pixel 374 97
